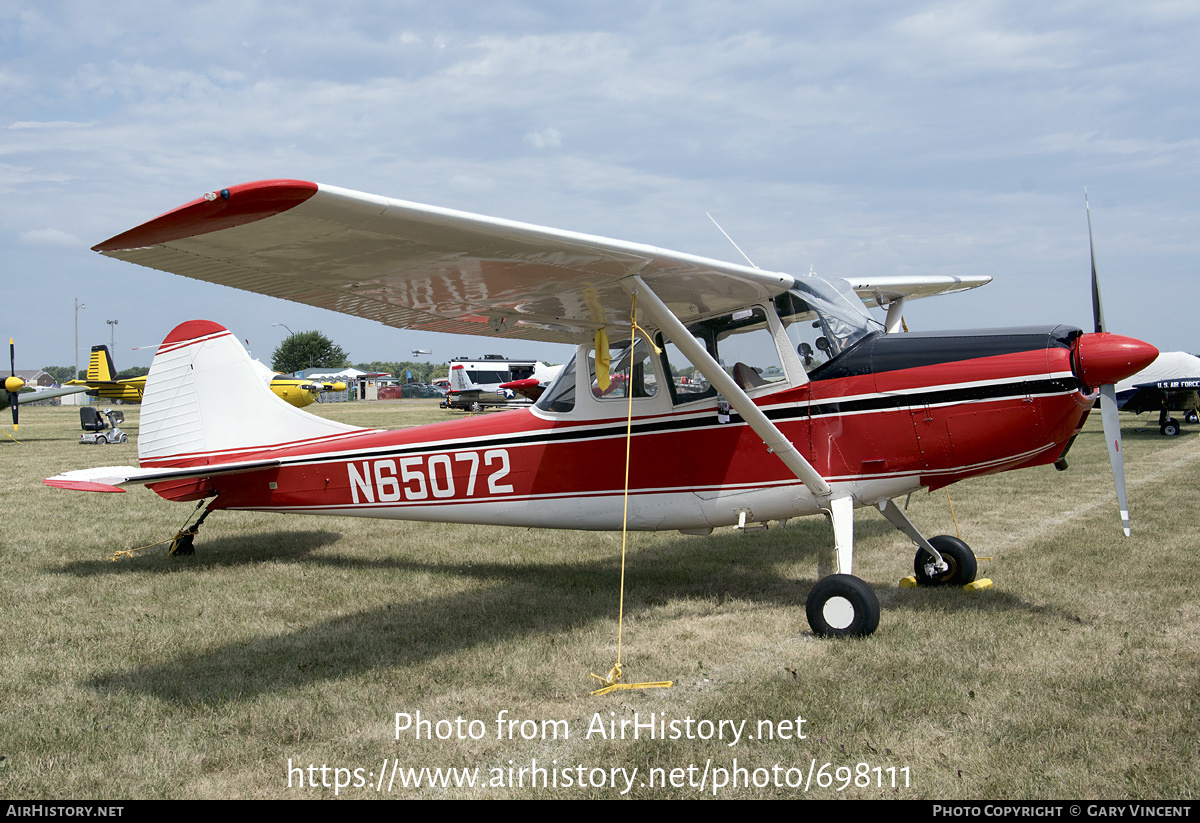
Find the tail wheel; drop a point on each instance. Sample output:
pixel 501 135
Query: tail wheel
pixel 960 561
pixel 842 605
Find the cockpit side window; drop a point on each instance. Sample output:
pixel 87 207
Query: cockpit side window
pixel 744 345
pixel 629 372
pixel 687 384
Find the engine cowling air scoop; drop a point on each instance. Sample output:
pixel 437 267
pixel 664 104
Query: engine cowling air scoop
pixel 1105 358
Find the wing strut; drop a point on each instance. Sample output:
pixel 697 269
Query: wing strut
pixel 731 391
pixel 895 315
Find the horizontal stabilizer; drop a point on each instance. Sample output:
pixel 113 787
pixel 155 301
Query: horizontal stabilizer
pixel 108 478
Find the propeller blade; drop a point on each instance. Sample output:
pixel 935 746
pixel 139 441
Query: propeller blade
pixel 1112 437
pixel 12 368
pixel 1109 412
pixel 1097 310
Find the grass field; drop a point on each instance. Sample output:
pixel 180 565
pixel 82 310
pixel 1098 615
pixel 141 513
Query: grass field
pixel 288 639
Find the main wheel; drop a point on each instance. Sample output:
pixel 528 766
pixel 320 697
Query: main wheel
pixel 959 559
pixel 1170 428
pixel 842 605
pixel 476 407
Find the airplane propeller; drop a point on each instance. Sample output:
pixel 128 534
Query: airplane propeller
pixel 1108 351
pixel 13 384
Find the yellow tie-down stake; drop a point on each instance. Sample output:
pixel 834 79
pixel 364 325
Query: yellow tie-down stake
pixel 613 682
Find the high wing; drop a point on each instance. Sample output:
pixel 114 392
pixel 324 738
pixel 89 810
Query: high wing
pixel 894 291
pixel 883 290
pixel 414 266
pixel 34 395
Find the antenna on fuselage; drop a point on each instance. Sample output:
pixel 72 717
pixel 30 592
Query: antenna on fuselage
pixel 730 239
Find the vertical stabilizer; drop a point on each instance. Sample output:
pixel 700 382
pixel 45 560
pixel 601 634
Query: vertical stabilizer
pixel 206 403
pixel 100 367
pixel 460 380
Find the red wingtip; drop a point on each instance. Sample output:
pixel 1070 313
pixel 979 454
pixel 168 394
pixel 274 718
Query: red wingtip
pixel 234 206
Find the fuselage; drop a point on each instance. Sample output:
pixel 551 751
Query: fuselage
pixel 888 415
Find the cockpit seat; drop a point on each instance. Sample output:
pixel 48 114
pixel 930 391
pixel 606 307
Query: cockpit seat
pixel 747 377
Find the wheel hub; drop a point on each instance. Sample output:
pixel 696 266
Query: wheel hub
pixel 838 612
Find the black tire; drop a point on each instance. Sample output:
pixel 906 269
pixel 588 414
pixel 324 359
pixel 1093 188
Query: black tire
pixel 1192 417
pixel 101 440
pixel 1170 428
pixel 842 605
pixel 958 556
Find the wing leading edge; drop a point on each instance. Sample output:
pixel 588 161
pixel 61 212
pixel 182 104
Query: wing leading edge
pixel 414 266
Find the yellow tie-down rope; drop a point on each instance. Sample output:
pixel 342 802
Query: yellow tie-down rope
pixel 613 682
pixel 178 541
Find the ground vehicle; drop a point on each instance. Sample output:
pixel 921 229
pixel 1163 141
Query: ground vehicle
pixel 96 431
pixel 476 384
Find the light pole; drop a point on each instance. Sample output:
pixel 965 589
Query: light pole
pixel 290 332
pixel 78 306
pixel 112 336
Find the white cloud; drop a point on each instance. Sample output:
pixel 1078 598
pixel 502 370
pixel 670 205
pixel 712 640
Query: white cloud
pixel 50 237
pixel 547 138
pixel 866 139
pixel 51 124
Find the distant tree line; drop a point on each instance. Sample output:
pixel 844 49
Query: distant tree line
pixel 305 350
pixel 311 349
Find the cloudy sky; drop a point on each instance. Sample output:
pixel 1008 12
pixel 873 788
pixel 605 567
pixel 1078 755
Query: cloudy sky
pixel 864 137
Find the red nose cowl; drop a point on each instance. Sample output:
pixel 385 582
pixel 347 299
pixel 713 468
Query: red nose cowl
pixel 1108 358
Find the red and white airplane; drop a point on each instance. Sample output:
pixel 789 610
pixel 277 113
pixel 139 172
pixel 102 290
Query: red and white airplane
pixel 795 402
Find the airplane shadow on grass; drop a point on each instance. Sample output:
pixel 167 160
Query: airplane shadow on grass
pixel 516 600
pixel 211 553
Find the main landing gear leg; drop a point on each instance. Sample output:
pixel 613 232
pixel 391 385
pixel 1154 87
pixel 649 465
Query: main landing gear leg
pixel 842 605
pixel 941 561
pixel 183 543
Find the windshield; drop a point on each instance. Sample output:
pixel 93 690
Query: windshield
pixel 823 320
